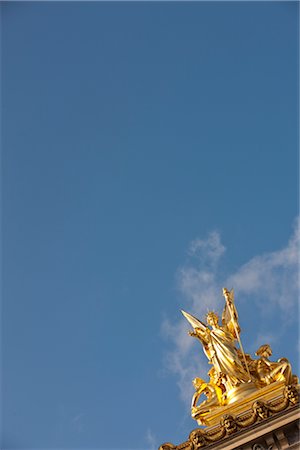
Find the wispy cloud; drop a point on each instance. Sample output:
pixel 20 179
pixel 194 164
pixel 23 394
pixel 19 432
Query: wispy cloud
pixel 271 279
pixel 275 276
pixel 151 440
pixel 77 422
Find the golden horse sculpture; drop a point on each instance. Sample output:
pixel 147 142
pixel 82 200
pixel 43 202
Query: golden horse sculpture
pixel 235 376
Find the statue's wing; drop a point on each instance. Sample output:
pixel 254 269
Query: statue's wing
pixel 196 323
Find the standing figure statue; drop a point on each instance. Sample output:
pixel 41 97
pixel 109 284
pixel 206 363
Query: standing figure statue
pixel 219 343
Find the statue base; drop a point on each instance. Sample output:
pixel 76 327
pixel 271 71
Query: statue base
pixel 239 400
pixel 240 392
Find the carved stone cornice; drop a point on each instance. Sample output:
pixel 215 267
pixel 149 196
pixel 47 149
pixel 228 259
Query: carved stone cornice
pixel 263 417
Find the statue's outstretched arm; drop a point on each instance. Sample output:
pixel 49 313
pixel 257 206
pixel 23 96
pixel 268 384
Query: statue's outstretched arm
pixel 199 334
pixel 200 330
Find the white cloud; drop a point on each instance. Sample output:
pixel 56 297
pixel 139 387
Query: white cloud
pixel 270 280
pixel 208 250
pixel 274 276
pixel 151 440
pixel 77 422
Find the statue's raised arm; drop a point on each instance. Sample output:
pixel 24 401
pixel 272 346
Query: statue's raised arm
pixel 230 315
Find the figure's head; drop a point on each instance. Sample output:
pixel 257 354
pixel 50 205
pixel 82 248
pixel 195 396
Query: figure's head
pixel 260 409
pixel 264 351
pixel 197 438
pixel 213 375
pixel 197 382
pixel 212 318
pixel 228 423
pixel 291 393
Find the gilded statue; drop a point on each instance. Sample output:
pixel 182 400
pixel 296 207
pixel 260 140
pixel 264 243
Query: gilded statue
pixel 269 371
pixel 213 393
pixel 241 391
pixel 219 342
pixel 234 374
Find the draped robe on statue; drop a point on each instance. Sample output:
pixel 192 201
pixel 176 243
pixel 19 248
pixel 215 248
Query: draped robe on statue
pixel 222 353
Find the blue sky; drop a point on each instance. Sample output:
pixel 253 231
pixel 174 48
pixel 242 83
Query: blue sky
pixel 139 140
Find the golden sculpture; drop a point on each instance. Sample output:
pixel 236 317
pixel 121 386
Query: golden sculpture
pixel 236 380
pixel 268 371
pixel 213 393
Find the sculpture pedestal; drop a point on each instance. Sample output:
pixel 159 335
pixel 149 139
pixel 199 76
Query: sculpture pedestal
pixel 241 400
pixel 240 392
